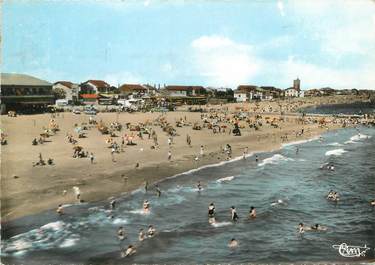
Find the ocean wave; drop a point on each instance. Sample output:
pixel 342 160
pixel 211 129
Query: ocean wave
pixel 221 224
pixel 225 179
pixel 275 159
pixel 334 144
pixel 357 137
pixel 300 142
pixel 69 242
pixel 336 152
pixel 238 158
pixel 141 212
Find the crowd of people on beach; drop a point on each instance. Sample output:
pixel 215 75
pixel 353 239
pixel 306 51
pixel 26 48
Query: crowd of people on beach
pixel 215 122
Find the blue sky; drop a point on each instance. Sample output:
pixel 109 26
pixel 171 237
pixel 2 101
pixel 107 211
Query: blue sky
pixel 219 43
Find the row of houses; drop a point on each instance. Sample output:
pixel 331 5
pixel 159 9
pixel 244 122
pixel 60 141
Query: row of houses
pixel 24 92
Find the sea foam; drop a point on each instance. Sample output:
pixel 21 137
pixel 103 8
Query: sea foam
pixel 275 159
pixel 336 152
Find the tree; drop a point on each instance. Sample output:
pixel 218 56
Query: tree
pixel 59 93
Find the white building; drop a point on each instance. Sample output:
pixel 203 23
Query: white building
pixel 71 90
pixel 240 96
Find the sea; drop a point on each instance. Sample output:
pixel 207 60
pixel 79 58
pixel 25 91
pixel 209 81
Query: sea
pixel 287 187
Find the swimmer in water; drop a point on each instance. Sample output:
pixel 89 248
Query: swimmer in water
pixel 318 227
pixel 146 206
pixel 233 243
pixel 252 213
pixel 151 231
pixel 372 203
pixel 234 215
pixel 199 186
pixel 277 202
pixel 60 210
pixel 130 251
pixel 158 191
pixel 211 210
pixel 113 204
pixel 141 235
pixel 330 195
pixel 301 228
pixel 121 233
pixel 256 158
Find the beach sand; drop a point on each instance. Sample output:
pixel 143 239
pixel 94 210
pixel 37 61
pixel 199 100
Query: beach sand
pixel 28 190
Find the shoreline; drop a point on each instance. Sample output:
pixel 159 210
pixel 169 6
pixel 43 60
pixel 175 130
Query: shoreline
pixel 183 170
pixel 28 190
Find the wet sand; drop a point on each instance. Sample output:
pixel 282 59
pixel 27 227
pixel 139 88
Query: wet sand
pixel 28 190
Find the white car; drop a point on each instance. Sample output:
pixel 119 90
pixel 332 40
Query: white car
pixel 76 111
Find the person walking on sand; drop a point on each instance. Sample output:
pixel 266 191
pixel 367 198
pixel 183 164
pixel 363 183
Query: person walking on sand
pixel 188 140
pixel 201 152
pixel 169 155
pixel 60 210
pixel 77 192
pixel 92 158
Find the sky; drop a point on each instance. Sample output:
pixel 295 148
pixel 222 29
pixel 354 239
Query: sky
pixel 217 43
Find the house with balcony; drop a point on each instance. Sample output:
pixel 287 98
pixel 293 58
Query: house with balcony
pixel 25 93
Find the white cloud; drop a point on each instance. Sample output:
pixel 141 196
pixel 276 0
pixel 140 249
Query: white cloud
pixel 147 3
pixel 224 62
pixel 312 75
pixel 280 6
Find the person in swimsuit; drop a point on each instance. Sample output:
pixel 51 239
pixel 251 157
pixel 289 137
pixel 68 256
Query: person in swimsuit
pixel 318 227
pixel 113 204
pixel 121 233
pixel 372 203
pixel 301 228
pixel 130 251
pixel 158 191
pixel 60 210
pixel 252 212
pixel 234 215
pixel 211 210
pixel 146 206
pixel 233 243
pixel 141 235
pixel 151 231
pixel 199 186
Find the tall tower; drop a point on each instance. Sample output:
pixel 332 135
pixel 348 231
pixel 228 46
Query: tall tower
pixel 297 84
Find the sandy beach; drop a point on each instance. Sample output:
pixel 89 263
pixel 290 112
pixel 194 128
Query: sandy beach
pixel 26 189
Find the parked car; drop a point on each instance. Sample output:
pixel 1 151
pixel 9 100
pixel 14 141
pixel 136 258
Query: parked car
pixel 76 111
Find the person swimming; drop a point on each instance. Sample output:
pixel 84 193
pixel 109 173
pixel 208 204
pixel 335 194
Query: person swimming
pixel 252 213
pixel 141 235
pixel 146 206
pixel 199 186
pixel 211 210
pixel 372 203
pixel 158 191
pixel 234 214
pixel 112 204
pixel 317 227
pixel 301 228
pixel 233 243
pixel 151 231
pixel 121 233
pixel 129 251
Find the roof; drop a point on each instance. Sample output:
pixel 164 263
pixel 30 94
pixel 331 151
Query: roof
pixel 22 80
pixel 65 83
pixel 89 96
pixel 132 87
pixel 183 88
pixel 247 87
pixel 98 83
